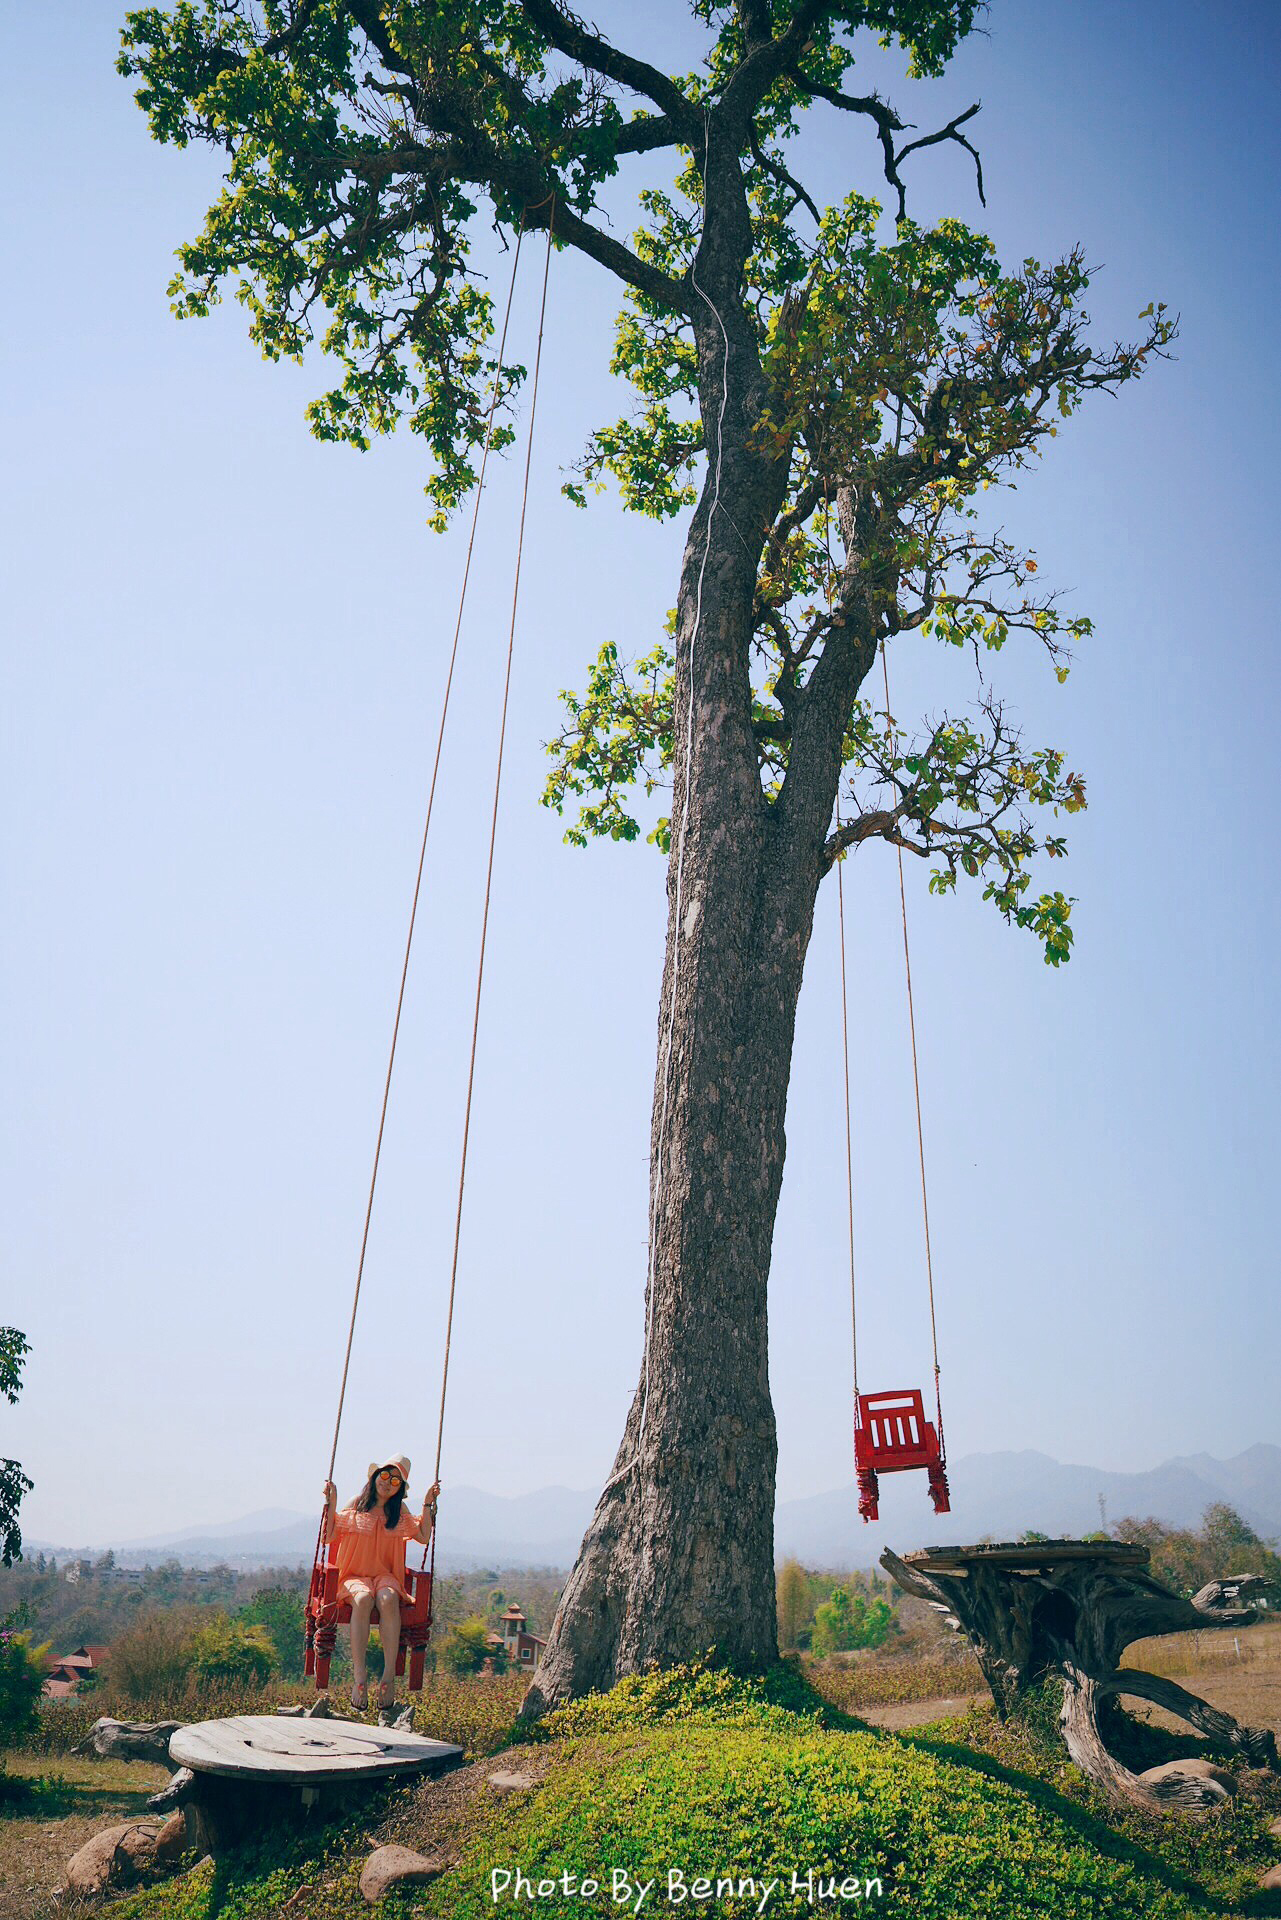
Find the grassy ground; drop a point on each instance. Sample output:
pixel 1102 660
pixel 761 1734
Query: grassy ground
pixel 702 1775
pixel 57 1805
pixel 958 1818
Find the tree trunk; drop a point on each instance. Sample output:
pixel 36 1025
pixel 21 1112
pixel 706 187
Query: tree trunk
pixel 679 1557
pixel 1071 1608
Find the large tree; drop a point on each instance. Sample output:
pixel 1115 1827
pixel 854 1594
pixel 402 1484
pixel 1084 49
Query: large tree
pixel 830 390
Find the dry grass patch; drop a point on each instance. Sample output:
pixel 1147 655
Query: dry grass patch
pixel 855 1682
pixel 73 1798
pixel 1240 1674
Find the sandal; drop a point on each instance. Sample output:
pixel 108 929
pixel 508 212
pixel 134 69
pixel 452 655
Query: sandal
pixel 359 1695
pixel 387 1694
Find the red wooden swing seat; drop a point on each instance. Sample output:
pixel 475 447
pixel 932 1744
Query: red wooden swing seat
pixel 327 1610
pixel 892 1435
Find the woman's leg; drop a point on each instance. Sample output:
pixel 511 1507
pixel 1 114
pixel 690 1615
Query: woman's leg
pixel 362 1606
pixel 389 1634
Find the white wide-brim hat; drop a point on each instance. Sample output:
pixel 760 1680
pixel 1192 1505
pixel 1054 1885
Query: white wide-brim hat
pixel 398 1460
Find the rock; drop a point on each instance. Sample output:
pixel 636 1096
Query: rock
pixel 119 1856
pixel 171 1841
pixel 1173 1780
pixel 1271 1879
pixel 389 1867
pixel 511 1782
pixel 1274 1827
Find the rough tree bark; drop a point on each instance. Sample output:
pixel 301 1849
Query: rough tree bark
pixel 679 1555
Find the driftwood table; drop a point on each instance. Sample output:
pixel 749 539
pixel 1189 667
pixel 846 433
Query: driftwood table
pixel 1071 1607
pixel 240 1773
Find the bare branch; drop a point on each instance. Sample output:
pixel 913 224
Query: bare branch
pixel 780 173
pixel 949 132
pixel 874 108
pixel 888 124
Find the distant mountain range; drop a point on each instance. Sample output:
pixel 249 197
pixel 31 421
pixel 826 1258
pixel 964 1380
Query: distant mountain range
pixel 996 1495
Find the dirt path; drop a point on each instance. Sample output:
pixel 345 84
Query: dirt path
pixel 918 1713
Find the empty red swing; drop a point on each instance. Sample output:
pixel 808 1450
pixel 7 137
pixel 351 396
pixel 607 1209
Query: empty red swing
pixel 891 1432
pixel 892 1435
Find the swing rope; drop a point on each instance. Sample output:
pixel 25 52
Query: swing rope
pixel 845 1013
pixel 489 880
pixel 418 879
pixel 849 1128
pixel 845 1051
pixel 493 835
pixel 916 1085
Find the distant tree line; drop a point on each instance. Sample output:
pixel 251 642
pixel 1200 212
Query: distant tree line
pixel 823 1614
pixel 1188 1558
pixel 99 1606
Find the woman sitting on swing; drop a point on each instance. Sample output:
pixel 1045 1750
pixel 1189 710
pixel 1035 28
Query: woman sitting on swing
pixel 371 1535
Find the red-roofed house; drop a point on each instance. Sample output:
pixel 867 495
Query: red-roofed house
pixel 69 1670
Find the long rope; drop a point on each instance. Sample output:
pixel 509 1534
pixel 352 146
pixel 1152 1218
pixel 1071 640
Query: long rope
pixel 916 1083
pixel 849 1126
pixel 489 871
pixel 422 856
pixel 845 1012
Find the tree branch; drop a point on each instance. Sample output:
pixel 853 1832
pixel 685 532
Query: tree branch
pixel 880 825
pixel 570 36
pixel 888 124
pixel 647 133
pixel 874 108
pixel 781 174
pixel 611 253
pixel 949 132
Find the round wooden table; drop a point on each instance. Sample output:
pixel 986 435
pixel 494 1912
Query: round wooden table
pixel 253 1770
pixel 261 1746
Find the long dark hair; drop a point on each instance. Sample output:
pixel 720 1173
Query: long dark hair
pixel 369 1500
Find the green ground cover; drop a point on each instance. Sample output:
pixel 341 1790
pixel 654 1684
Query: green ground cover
pixel 707 1779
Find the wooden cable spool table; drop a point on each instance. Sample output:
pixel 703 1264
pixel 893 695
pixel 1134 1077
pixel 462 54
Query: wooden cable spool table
pixel 1031 1609
pixel 238 1773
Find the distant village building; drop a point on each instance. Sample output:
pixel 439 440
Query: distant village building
pixel 522 1649
pixel 68 1673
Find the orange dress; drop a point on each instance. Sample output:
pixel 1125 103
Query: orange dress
pixel 371 1554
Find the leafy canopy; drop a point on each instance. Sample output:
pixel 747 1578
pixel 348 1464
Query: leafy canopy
pixel 898 378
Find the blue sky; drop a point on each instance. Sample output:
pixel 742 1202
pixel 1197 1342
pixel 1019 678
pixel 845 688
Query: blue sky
pixel 221 684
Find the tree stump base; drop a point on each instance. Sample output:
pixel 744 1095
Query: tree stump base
pixel 1069 1608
